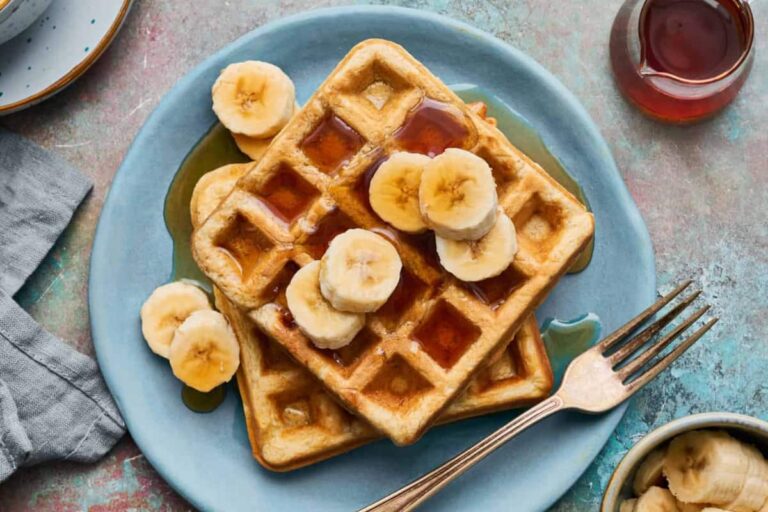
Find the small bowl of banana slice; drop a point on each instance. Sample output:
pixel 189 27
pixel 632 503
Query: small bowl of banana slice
pixel 711 462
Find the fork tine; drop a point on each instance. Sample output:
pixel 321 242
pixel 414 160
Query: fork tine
pixel 638 341
pixel 660 345
pixel 622 331
pixel 662 363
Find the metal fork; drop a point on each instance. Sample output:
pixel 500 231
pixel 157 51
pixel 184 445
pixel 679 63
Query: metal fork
pixel 598 380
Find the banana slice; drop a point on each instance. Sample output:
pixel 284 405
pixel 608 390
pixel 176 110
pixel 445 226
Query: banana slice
pixel 649 472
pixel 715 509
pixel 251 146
pixel 204 351
pixel 394 191
pixel 475 260
pixel 317 319
pixel 690 507
pixel 628 505
pixel 457 195
pixel 754 493
pixel 359 271
pixel 165 309
pixel 253 98
pixel 706 467
pixel 212 188
pixel 656 499
pixel 255 147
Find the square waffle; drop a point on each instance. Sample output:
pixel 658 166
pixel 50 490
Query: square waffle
pixel 293 422
pixel 420 350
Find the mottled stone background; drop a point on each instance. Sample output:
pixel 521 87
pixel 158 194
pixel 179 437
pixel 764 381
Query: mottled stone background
pixel 702 191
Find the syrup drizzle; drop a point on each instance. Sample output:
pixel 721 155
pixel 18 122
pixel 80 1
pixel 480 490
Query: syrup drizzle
pixel 431 127
pixel 215 149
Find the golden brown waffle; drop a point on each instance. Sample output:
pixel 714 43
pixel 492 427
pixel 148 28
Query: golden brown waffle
pixel 420 350
pixel 293 422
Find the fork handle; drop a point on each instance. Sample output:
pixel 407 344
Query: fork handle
pixel 413 494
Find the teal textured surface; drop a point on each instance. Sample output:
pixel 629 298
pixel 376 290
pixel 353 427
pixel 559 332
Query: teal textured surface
pixel 701 190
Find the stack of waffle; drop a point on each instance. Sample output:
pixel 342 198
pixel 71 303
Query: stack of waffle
pixel 440 349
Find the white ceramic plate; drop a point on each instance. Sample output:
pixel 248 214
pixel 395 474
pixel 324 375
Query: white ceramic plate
pixel 56 50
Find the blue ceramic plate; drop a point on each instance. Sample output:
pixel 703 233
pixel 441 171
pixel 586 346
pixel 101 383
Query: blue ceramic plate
pixel 207 457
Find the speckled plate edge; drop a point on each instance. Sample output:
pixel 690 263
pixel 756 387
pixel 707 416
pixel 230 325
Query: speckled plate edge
pixel 77 71
pixel 99 261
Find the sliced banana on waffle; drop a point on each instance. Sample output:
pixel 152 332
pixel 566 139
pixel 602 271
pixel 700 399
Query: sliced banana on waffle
pixel 212 188
pixel 253 98
pixel 359 271
pixel 475 260
pixel 165 309
pixel 204 352
pixel 649 473
pixel 315 316
pixel 457 195
pixel 656 499
pixel 713 467
pixel 394 191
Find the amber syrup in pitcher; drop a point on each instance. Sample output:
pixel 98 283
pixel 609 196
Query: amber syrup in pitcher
pixel 681 60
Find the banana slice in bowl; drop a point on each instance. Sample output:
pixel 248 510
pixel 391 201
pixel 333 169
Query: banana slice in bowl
pixel 650 472
pixel 628 505
pixel 656 499
pixel 711 461
pixel 711 466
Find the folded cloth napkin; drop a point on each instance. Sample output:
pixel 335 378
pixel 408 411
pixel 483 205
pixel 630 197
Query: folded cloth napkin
pixel 53 402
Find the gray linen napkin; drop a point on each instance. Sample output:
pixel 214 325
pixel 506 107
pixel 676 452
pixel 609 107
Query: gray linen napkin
pixel 53 402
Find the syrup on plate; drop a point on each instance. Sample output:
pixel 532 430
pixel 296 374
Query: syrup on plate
pixel 215 149
pixel 198 401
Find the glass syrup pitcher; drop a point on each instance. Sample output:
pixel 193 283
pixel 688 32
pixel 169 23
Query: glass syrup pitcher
pixel 682 60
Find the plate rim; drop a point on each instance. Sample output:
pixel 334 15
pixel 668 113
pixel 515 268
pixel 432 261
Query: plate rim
pixel 75 72
pixel 611 175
